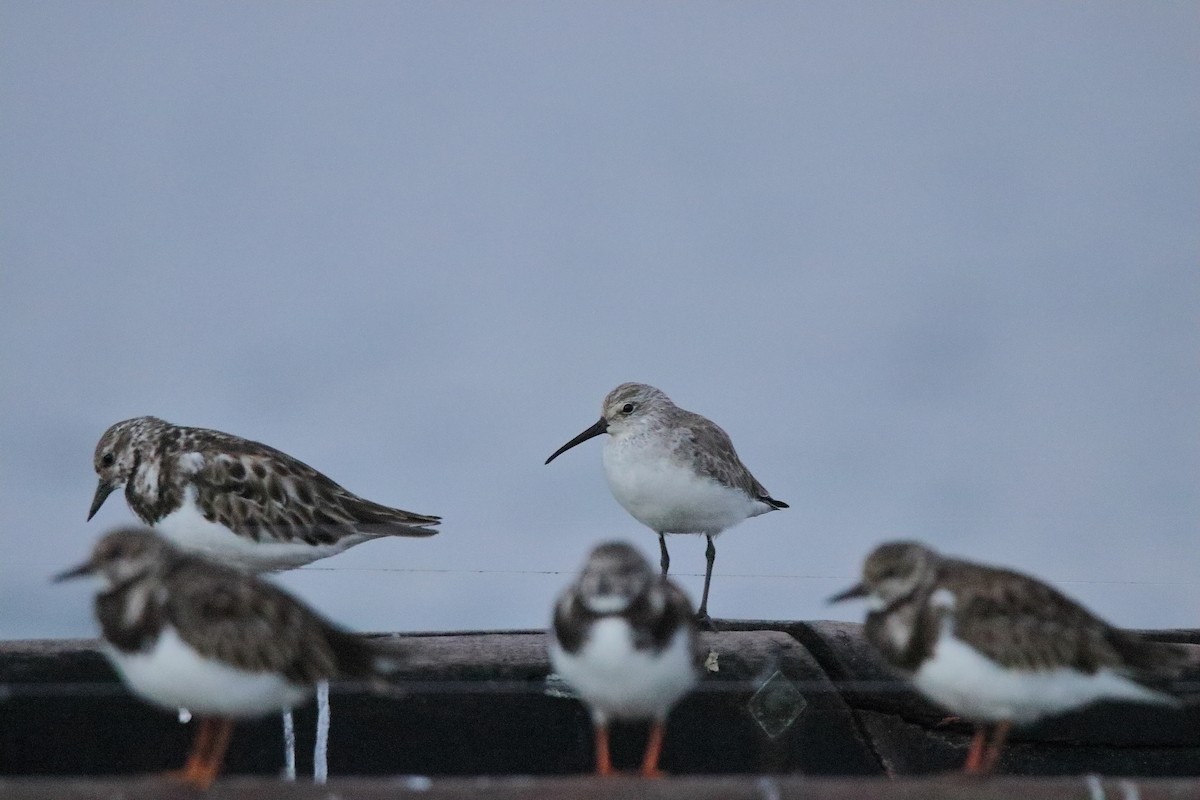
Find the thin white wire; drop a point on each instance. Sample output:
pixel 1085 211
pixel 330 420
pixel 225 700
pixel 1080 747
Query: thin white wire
pixel 766 576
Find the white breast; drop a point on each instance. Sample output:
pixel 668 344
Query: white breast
pixel 667 496
pixel 173 675
pixel 188 528
pixel 965 682
pixel 616 680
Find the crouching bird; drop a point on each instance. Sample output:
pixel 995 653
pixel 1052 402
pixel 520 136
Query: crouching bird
pixel 998 648
pixel 186 632
pixel 625 639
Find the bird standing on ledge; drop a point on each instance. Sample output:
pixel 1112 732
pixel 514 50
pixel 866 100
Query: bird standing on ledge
pixel 625 640
pixel 998 648
pixel 183 631
pixel 674 471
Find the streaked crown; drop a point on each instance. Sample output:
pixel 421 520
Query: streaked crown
pixel 115 456
pixel 894 569
pixel 126 553
pixel 632 400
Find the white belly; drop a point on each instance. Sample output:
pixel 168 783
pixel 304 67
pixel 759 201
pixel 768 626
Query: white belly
pixel 965 682
pixel 618 681
pixel 188 529
pixel 173 675
pixel 669 497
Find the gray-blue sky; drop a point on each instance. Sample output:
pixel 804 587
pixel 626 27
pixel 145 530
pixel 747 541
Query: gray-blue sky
pixel 933 266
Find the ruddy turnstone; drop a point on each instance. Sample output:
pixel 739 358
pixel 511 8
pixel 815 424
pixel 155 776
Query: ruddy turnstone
pixel 625 640
pixel 998 648
pixel 239 501
pixel 184 631
pixel 673 471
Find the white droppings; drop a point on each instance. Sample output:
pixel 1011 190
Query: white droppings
pixel 1129 790
pixel 321 750
pixel 418 783
pixel 289 746
pixel 768 788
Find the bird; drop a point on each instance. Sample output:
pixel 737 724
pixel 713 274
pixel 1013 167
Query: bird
pixel 674 471
pixel 240 501
pixel 999 648
pixel 182 630
pixel 625 639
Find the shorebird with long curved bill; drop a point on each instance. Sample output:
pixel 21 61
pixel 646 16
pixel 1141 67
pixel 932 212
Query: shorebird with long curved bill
pixel 674 471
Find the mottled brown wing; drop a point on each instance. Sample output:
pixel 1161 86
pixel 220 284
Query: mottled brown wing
pixel 258 627
pixel 570 622
pixel 707 444
pixel 1021 622
pixel 266 495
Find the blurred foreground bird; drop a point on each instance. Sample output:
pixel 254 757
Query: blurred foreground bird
pixel 998 648
pixel 625 640
pixel 186 632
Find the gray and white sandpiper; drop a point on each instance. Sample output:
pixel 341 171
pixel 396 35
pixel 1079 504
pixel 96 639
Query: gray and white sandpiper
pixel 241 502
pixel 998 648
pixel 625 639
pixel 674 471
pixel 183 631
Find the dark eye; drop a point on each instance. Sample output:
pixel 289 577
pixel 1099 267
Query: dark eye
pixel 627 408
pixel 107 460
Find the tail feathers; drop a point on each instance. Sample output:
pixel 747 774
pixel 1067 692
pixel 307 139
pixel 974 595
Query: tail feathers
pixel 362 659
pixel 1162 667
pixel 380 520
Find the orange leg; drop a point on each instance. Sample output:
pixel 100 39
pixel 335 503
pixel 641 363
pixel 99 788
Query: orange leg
pixel 603 760
pixel 999 736
pixel 653 750
pixel 975 754
pixel 195 760
pixel 211 765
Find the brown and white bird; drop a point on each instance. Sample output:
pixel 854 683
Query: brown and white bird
pixel 674 471
pixel 625 640
pixel 998 648
pixel 183 631
pixel 241 502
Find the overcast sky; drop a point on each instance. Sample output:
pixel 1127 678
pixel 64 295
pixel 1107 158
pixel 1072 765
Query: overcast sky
pixel 933 266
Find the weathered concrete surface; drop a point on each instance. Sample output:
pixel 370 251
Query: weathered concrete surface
pixel 780 698
pixel 621 788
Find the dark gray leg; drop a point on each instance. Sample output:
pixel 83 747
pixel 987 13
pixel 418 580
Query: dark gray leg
pixel 665 560
pixel 711 554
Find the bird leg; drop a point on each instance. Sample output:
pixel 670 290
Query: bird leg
pixel 653 750
pixel 210 766
pixel 603 760
pixel 702 615
pixel 992 756
pixel 975 753
pixel 665 557
pixel 195 760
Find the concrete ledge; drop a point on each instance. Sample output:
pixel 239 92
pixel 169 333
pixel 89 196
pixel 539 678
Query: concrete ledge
pixel 586 788
pixel 779 698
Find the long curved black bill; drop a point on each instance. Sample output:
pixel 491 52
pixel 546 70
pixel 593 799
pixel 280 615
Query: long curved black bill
pixel 76 572
pixel 597 429
pixel 855 591
pixel 102 492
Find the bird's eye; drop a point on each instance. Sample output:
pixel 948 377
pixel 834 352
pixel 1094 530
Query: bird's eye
pixel 107 460
pixel 627 408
